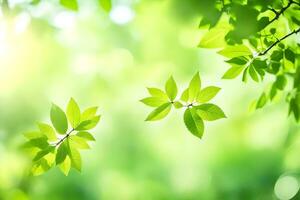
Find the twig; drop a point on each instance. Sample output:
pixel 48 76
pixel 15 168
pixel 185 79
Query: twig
pixel 278 41
pixel 66 136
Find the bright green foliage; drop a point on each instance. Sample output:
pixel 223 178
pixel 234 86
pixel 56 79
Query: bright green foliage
pixel 191 100
pixel 50 149
pixel 105 4
pixel 259 38
pixel 70 4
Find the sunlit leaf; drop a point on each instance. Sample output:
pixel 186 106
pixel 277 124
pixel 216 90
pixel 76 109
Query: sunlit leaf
pixel 207 94
pixel 193 122
pixel 160 112
pixel 210 112
pixel 73 113
pixel 194 87
pixel 58 119
pixel 48 131
pixel 235 51
pixel 171 88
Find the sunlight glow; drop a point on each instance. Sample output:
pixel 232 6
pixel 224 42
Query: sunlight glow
pixel 122 15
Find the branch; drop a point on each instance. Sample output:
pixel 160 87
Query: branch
pixel 278 41
pixel 65 137
pixel 278 13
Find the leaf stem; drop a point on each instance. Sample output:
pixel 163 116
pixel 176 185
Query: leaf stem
pixel 278 41
pixel 65 137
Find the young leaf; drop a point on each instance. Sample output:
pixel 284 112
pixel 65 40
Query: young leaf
pixel 65 166
pixel 261 101
pixel 73 113
pixel 40 143
pixel 155 92
pixel 86 135
pixel 207 94
pixel 33 134
pixel 89 113
pixel 210 112
pixel 153 101
pixel 237 61
pixel 193 122
pixel 74 156
pixel 105 4
pixel 43 153
pixel 185 95
pixel 232 72
pixel 235 51
pixel 62 152
pixel 88 124
pixel 70 4
pixel 160 112
pixel 48 131
pixel 79 142
pixel 177 104
pixel 58 119
pixel 194 87
pixel 214 38
pixel 171 88
pixel 253 73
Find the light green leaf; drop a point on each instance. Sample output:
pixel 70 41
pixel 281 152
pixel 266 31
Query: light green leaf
pixel 88 124
pixel 235 51
pixel 86 135
pixel 177 104
pixel 65 166
pixel 214 38
pixel 33 134
pixel 232 72
pixel 48 131
pixel 70 4
pixel 79 142
pixel 194 87
pixel 58 119
pixel 210 112
pixel 153 101
pixel 74 156
pixel 185 95
pixel 261 101
pixel 40 143
pixel 253 73
pixel 43 153
pixel 155 92
pixel 105 4
pixel 73 113
pixel 42 165
pixel 171 88
pixel 193 122
pixel 160 112
pixel 207 94
pixel 62 152
pixel 89 113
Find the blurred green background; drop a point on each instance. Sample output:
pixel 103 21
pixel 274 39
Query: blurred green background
pixel 49 54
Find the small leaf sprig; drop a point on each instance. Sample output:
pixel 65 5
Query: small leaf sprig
pixel 56 145
pixel 193 99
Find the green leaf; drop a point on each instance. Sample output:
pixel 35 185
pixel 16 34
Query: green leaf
pixel 210 112
pixel 43 153
pixel 48 131
pixel 42 165
pixel 194 87
pixel 74 156
pixel 33 134
pixel 79 142
pixel 207 94
pixel 232 72
pixel 65 166
pixel 214 38
pixel 280 82
pixel 160 112
pixel 177 104
pixel 58 119
pixel 73 113
pixel 105 4
pixel 253 73
pixel 86 135
pixel 88 124
pixel 185 95
pixel 289 55
pixel 193 122
pixel 238 61
pixel 40 143
pixel 62 153
pixel 155 92
pixel 153 101
pixel 261 101
pixel 235 51
pixel 69 4
pixel 89 113
pixel 171 88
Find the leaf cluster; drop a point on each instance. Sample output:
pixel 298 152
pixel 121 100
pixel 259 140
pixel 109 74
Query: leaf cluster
pixel 194 99
pixel 60 142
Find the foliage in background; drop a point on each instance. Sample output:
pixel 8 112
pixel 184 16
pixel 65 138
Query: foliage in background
pixel 257 38
pixel 194 99
pixel 55 145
